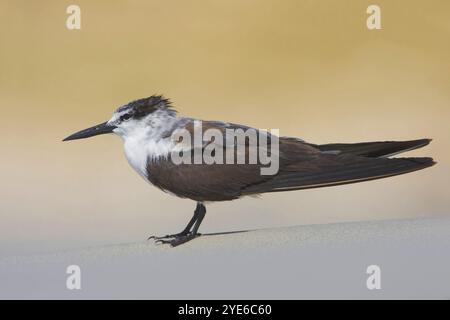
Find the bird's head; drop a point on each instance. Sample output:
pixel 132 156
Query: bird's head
pixel 131 117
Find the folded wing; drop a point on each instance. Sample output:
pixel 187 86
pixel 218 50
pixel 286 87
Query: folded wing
pixel 301 166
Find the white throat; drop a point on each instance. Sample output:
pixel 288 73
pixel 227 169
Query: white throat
pixel 148 138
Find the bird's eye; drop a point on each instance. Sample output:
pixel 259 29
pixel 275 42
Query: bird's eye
pixel 125 117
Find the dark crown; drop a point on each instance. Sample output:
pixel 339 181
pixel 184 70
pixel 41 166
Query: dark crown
pixel 143 107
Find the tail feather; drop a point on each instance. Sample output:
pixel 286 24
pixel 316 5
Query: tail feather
pixel 340 170
pixel 373 149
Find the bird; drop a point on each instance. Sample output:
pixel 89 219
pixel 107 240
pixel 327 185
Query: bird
pixel 148 125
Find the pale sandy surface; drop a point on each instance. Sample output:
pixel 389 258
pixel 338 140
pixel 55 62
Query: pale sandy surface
pixel 314 261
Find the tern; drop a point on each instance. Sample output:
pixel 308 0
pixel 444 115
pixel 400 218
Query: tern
pixel 147 127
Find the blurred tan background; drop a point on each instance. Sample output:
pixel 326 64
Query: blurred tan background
pixel 310 68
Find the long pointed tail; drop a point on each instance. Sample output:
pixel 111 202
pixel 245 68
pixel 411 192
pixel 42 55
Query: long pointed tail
pixel 373 149
pixel 333 170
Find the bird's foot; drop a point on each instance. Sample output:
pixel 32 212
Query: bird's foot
pixel 168 236
pixel 178 239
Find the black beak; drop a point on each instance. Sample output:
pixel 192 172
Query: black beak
pixel 101 128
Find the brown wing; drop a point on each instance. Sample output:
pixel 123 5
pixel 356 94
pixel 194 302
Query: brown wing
pixel 218 182
pixel 374 149
pixel 202 182
pixel 301 166
pixel 331 170
pixel 302 169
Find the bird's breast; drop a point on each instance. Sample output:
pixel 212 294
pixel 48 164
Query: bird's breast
pixel 139 151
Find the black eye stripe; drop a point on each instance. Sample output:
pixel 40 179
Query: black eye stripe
pixel 125 117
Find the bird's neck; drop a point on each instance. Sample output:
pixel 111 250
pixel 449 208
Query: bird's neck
pixel 150 140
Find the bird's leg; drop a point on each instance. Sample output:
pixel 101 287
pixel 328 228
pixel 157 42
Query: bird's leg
pixel 200 213
pixel 182 233
pixel 187 229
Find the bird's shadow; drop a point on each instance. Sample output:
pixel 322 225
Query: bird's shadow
pixel 224 233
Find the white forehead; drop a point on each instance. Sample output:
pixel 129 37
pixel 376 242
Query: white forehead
pixel 118 113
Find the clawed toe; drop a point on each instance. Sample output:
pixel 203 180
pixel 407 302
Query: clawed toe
pixel 157 237
pixel 168 236
pixel 189 233
pixel 161 241
pixel 175 240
